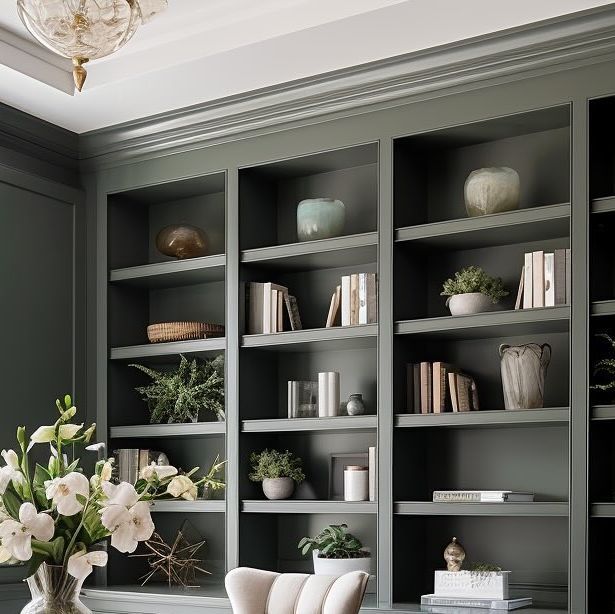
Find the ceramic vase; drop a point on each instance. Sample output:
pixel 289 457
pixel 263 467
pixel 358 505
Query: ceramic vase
pixel 339 567
pixel 54 591
pixel 491 190
pixel 320 218
pixel 355 405
pixel 182 241
pixel 523 374
pixel 278 488
pixel 468 303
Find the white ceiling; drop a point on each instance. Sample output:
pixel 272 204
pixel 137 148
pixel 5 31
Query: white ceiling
pixel 203 50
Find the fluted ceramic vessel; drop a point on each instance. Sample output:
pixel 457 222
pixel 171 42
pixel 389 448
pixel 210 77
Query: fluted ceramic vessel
pixel 523 374
pixel 54 591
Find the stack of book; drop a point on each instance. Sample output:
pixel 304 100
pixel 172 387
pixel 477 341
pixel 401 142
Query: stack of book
pixel 269 307
pixel 482 496
pixel 438 387
pixel 545 279
pixel 130 461
pixel 449 605
pixel 355 301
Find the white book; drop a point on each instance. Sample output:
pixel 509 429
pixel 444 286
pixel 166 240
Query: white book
pixel 268 306
pixel 474 602
pixel 528 282
pixel 550 280
pixel 373 472
pixel 346 300
pixel 274 311
pixel 254 295
pixel 481 496
pixel 538 271
pixel 362 298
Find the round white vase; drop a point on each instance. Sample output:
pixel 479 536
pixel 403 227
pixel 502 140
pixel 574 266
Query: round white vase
pixel 469 303
pixel 278 488
pixel 492 190
pixel 320 218
pixel 339 567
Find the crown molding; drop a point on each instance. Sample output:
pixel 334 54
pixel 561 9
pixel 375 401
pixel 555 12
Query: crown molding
pixel 35 61
pixel 555 44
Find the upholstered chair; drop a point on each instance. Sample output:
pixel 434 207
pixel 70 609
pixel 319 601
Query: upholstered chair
pixel 254 591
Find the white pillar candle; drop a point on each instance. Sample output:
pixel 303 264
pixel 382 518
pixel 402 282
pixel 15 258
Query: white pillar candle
pixel 356 483
pixel 328 394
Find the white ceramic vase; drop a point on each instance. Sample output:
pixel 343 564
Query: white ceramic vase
pixel 469 303
pixel 339 567
pixel 278 488
pixel 523 374
pixel 492 190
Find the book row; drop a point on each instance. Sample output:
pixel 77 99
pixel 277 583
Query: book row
pixel 545 279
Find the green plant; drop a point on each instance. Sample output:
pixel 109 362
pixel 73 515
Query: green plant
pixel 334 542
pixel 485 568
pixel 605 368
pixel 474 279
pixel 181 394
pixel 273 464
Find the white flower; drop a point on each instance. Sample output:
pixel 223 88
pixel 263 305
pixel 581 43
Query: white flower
pixel 45 434
pixel 5 555
pixel 63 492
pixel 106 472
pixel 161 471
pixel 123 494
pixel 80 565
pixel 10 472
pixel 128 526
pixel 17 536
pixel 183 487
pixel 68 431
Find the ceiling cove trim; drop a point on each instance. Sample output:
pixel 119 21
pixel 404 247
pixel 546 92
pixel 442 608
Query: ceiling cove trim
pixel 558 43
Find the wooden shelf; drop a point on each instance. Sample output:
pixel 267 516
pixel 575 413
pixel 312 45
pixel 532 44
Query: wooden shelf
pixel 172 273
pixel 336 337
pixel 490 324
pixel 296 506
pixel 603 510
pixel 162 350
pixel 186 507
pixel 192 429
pixel 472 419
pixel 603 412
pixel 603 205
pixel 312 255
pixel 286 425
pixel 603 308
pixel 533 224
pixel 417 508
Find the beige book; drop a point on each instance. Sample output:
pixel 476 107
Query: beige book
pixel 274 311
pixel 452 386
pixel 528 282
pixel 345 300
pixel 280 311
pixel 538 273
pixel 519 300
pixel 550 280
pixel 331 313
pixel 354 299
pixel 426 387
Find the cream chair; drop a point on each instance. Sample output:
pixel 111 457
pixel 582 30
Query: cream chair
pixel 253 591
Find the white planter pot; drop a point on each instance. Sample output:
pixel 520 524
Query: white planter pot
pixel 476 584
pixel 492 190
pixel 338 567
pixel 278 488
pixel 469 303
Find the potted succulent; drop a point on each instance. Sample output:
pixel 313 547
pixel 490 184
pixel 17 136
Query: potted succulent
pixel 336 552
pixel 278 471
pixel 472 291
pixel 182 394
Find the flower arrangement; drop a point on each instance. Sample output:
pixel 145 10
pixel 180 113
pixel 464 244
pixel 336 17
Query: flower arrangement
pixel 55 515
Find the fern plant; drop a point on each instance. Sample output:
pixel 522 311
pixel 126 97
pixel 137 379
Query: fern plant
pixel 334 542
pixel 604 369
pixel 474 279
pixel 271 464
pixel 180 395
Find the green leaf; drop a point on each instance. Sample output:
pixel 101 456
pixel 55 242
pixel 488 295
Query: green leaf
pixel 11 503
pixel 41 475
pixel 68 401
pixel 81 498
pixel 35 562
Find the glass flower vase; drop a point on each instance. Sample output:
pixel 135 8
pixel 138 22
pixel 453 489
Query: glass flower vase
pixel 54 591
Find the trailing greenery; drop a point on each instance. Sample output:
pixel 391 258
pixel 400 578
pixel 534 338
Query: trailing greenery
pixel 334 542
pixel 604 369
pixel 474 279
pixel 485 568
pixel 180 395
pixel 273 464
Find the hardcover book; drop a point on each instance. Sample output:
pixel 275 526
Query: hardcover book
pixel 472 602
pixel 481 496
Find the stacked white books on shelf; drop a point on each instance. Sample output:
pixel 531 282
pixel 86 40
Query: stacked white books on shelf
pixel 481 496
pixel 358 302
pixel 268 307
pixel 545 279
pixel 446 603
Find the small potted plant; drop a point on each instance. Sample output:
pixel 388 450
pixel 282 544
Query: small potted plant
pixel 472 291
pixel 336 552
pixel 278 471
pixel 183 394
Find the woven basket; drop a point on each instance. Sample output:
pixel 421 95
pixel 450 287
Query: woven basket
pixel 182 331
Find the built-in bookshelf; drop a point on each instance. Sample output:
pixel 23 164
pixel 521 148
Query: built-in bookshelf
pixel 250 211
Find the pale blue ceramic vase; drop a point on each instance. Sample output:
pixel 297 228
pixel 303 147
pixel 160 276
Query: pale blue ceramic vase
pixel 320 218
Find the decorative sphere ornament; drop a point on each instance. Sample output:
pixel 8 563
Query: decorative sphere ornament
pixel 182 241
pixel 454 555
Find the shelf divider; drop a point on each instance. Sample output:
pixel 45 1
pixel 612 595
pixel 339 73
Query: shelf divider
pixel 186 507
pixel 308 506
pixel 338 423
pixel 159 350
pixel 191 429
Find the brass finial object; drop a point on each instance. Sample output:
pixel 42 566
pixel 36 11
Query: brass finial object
pixel 79 72
pixel 454 555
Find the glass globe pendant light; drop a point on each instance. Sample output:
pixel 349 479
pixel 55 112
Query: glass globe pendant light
pixel 84 30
